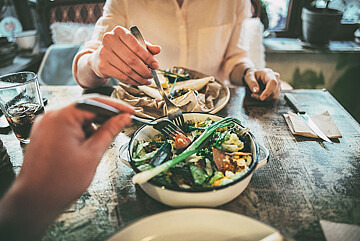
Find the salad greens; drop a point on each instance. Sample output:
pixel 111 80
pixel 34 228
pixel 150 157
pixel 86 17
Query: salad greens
pixel 213 158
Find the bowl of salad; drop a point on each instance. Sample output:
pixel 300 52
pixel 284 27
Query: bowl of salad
pixel 209 165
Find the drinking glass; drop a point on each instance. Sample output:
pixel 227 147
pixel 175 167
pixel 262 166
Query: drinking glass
pixel 20 102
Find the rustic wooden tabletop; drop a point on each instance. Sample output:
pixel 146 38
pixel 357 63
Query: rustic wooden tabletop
pixel 305 181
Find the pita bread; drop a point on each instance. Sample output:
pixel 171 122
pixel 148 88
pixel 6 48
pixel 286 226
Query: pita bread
pixel 148 103
pixel 162 79
pixel 149 91
pixel 193 84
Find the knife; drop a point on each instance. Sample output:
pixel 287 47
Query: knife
pixel 293 103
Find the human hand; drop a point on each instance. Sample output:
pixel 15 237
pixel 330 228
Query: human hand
pixel 122 57
pixel 59 165
pixel 266 77
pixel 62 152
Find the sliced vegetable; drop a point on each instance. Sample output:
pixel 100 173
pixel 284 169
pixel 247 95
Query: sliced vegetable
pixel 172 76
pixel 199 143
pixel 217 176
pixel 181 141
pixel 232 143
pixel 145 157
pixel 140 148
pixel 163 154
pixel 198 174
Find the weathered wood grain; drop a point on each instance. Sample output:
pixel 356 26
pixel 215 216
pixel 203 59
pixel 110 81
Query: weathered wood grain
pixel 305 181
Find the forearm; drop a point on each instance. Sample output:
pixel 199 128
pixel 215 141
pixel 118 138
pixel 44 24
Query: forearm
pixel 85 75
pixel 24 215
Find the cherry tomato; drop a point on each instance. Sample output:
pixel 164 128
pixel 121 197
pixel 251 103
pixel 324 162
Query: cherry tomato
pixel 181 141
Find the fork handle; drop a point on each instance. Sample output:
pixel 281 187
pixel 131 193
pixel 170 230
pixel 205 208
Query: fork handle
pixel 143 121
pixel 105 112
pixel 137 34
pixel 98 108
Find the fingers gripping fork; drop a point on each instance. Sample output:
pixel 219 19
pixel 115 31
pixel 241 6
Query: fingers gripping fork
pixel 173 112
pixel 104 112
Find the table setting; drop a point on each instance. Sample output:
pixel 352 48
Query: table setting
pixel 301 184
pixel 203 162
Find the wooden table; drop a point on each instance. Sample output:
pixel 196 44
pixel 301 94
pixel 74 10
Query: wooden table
pixel 305 181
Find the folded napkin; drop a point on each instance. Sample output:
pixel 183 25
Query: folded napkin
pixel 324 121
pixel 340 231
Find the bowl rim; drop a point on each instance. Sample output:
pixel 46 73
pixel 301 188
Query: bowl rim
pixel 205 189
pixel 26 33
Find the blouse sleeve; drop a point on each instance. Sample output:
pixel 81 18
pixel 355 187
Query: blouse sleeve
pixel 237 50
pixel 114 14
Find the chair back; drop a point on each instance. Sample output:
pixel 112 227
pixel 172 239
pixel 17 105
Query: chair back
pixel 68 11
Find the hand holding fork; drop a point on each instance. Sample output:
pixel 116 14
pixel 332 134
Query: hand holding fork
pixel 105 112
pixel 173 112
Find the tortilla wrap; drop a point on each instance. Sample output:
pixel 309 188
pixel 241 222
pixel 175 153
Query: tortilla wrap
pixel 193 84
pixel 162 79
pixel 153 93
pixel 148 103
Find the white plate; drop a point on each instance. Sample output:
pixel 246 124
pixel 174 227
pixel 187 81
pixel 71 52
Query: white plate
pixel 196 224
pixel 223 98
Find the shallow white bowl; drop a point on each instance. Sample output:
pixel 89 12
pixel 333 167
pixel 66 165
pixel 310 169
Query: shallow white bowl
pixel 26 39
pixel 208 197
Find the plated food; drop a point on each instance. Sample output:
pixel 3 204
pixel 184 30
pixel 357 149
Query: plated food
pixel 214 169
pixel 211 153
pixel 190 90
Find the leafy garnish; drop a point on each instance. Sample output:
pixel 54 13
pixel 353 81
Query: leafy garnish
pixel 199 143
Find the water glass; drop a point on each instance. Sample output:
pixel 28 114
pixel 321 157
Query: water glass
pixel 20 102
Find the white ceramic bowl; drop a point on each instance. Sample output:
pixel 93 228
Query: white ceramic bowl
pixel 26 39
pixel 208 197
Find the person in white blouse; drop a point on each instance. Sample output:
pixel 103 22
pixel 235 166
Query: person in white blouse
pixel 204 35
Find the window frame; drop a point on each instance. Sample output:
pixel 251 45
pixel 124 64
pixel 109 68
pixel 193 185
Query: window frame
pixel 293 28
pixel 293 21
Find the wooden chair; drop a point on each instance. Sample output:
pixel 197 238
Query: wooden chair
pixel 78 11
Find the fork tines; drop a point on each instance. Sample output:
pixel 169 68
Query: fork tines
pixel 172 130
pixel 179 120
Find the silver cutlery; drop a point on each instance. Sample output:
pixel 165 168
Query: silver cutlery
pixel 293 103
pixel 173 112
pixel 104 112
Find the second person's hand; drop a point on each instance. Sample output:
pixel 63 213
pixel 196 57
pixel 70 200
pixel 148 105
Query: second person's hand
pixel 266 77
pixel 59 165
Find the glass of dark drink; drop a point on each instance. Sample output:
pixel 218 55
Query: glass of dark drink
pixel 20 102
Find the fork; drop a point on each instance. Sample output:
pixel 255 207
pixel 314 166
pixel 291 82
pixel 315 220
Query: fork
pixel 104 112
pixel 173 112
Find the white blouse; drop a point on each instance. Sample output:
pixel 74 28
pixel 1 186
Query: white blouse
pixel 203 35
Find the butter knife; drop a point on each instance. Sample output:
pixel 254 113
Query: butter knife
pixel 293 103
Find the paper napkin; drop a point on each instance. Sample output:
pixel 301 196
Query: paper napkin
pixel 340 231
pixel 324 121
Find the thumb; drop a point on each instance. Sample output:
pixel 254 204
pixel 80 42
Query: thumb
pixel 102 138
pixel 252 82
pixel 154 49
